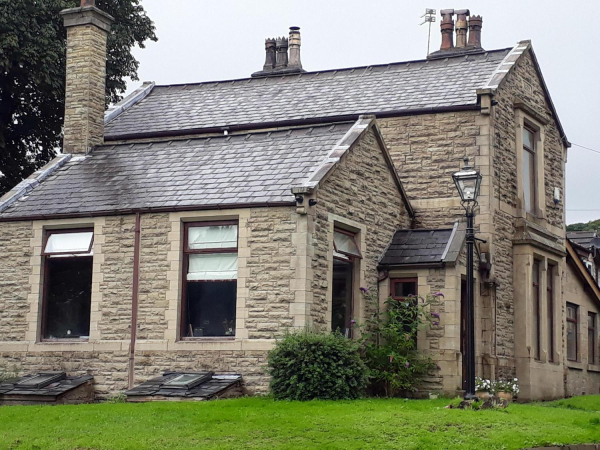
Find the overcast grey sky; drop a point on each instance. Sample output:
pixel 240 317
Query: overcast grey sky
pixel 201 40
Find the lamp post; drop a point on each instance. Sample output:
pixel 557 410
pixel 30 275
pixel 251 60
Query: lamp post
pixel 468 182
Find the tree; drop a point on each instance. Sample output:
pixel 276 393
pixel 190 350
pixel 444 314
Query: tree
pixel 593 225
pixel 32 76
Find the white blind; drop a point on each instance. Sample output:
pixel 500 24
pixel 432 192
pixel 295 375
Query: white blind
pixel 212 236
pixel 213 266
pixel 69 242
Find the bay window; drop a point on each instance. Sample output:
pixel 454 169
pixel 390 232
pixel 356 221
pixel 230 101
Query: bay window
pixel 67 284
pixel 210 269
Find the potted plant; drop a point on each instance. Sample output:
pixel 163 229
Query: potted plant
pixel 483 388
pixel 506 389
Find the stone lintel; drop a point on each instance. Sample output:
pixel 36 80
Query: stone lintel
pixel 87 15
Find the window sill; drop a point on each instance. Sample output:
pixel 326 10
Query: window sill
pixel 208 339
pixel 575 365
pixel 64 341
pixel 593 368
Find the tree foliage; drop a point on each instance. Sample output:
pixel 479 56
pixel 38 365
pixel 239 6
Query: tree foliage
pixel 592 225
pixel 32 75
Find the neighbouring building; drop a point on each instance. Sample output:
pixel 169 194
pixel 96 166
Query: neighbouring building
pixel 189 226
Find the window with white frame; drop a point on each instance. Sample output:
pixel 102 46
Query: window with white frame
pixel 210 272
pixel 67 284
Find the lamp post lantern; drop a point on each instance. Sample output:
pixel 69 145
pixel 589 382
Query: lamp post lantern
pixel 468 183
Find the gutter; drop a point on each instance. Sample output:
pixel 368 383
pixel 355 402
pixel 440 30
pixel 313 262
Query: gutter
pixel 290 123
pixel 160 209
pixel 134 299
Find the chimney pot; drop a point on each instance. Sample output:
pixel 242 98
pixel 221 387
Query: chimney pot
pixel 461 27
pixel 281 59
pixel 447 27
pixel 294 45
pixel 270 55
pixel 475 25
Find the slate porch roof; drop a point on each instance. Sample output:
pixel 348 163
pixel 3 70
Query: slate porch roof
pixel 424 247
pixel 391 88
pixel 583 238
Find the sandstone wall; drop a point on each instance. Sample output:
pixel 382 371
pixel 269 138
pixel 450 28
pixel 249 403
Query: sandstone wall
pixel 427 149
pixel 521 83
pixel 362 191
pixel 15 271
pixel 267 272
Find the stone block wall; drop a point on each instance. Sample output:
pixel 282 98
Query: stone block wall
pixel 85 96
pixel 362 192
pixel 15 271
pixel 267 283
pixel 427 149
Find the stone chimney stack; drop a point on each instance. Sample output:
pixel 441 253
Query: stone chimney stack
pixel 447 26
pixel 281 60
pixel 87 33
pixel 461 27
pixel 294 42
pixel 475 25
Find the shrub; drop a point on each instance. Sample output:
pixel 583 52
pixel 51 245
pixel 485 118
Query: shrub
pixel 307 365
pixel 389 343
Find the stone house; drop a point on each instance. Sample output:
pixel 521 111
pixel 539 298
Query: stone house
pixel 190 225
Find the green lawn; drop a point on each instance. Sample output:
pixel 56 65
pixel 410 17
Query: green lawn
pixel 264 423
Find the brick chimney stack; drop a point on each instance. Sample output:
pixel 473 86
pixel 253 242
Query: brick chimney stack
pixel 294 43
pixel 475 25
pixel 87 33
pixel 461 27
pixel 447 26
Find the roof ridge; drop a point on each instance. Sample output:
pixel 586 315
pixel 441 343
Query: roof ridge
pixel 342 69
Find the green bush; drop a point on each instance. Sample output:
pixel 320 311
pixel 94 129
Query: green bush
pixel 308 365
pixel 389 343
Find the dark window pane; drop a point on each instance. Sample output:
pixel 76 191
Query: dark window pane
pixel 341 296
pixel 404 289
pixel 591 338
pixel 572 332
pixel 529 180
pixel 68 297
pixel 536 310
pixel 550 312
pixel 528 139
pixel 210 308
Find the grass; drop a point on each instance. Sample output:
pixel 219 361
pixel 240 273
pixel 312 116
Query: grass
pixel 264 423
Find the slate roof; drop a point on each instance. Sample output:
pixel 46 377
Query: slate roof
pixel 241 170
pixel 392 88
pixel 424 247
pixel 583 238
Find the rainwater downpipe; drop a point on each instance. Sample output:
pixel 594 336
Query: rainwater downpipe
pixel 134 299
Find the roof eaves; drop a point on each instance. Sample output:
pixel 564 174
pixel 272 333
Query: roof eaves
pixel 135 97
pixel 31 182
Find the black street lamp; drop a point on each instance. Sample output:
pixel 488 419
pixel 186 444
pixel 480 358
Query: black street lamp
pixel 468 183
